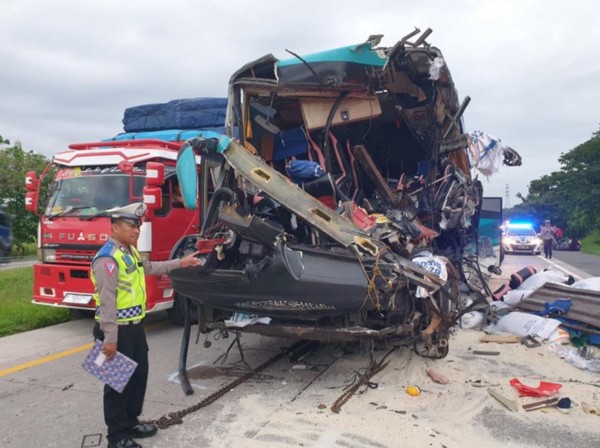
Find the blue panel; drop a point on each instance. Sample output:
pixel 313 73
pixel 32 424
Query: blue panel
pixel 289 143
pixel 187 176
pixel 223 144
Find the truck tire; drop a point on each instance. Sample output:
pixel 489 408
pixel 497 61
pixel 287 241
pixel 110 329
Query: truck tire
pixel 77 313
pixel 177 313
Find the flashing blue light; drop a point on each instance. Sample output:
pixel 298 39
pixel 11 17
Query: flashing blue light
pixel 521 225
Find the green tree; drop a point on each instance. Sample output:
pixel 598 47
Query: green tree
pixel 570 196
pixel 14 163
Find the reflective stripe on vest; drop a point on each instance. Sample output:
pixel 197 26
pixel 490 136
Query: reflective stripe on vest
pixel 131 283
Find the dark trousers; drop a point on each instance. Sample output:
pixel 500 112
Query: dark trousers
pixel 121 410
pixel 548 248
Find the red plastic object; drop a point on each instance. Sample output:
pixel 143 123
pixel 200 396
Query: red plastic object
pixel 207 246
pixel 361 218
pixel 545 389
pixel 426 232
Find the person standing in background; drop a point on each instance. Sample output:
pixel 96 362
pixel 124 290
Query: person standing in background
pixel 548 235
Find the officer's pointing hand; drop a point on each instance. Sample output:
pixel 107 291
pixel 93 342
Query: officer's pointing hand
pixel 190 260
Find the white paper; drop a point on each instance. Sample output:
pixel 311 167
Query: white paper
pixel 240 320
pixel 100 359
pixel 524 324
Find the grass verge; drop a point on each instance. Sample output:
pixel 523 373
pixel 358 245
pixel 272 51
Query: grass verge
pixel 591 243
pixel 27 250
pixel 17 313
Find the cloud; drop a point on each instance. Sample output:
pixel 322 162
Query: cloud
pixel 70 68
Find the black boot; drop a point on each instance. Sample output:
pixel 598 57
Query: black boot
pixel 127 442
pixel 142 431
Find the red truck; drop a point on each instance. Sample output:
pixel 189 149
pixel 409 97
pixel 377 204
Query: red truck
pixel 89 179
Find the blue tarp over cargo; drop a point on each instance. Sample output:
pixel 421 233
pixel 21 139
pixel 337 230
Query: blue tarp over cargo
pixel 195 113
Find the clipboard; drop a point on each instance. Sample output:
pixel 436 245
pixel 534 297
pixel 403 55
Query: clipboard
pixel 115 372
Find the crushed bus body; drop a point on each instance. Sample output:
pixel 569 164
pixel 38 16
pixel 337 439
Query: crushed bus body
pixel 344 209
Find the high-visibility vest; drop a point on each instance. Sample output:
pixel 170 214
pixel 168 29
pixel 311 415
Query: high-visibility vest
pixel 131 282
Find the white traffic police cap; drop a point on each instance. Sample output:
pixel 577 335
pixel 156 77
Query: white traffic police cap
pixel 131 213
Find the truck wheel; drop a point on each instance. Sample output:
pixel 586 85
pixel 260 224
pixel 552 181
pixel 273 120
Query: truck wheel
pixel 177 313
pixel 77 313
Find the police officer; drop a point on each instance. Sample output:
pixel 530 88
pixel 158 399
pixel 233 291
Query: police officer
pixel 120 293
pixel 548 235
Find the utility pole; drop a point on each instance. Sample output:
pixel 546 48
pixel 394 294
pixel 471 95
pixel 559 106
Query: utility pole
pixel 507 197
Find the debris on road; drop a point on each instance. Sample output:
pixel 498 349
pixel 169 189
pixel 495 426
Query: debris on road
pixel 486 352
pixel 544 389
pixel 437 377
pixel 500 338
pixel 507 402
pixel 413 391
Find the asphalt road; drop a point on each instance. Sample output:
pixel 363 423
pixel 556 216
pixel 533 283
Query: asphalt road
pixel 46 399
pixel 16 262
pixel 584 262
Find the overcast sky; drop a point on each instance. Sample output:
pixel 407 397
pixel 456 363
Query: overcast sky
pixel 69 68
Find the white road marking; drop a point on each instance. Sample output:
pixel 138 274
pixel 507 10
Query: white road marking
pixel 327 439
pixel 579 275
pixel 174 377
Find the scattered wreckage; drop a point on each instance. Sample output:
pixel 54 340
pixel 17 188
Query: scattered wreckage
pixel 343 209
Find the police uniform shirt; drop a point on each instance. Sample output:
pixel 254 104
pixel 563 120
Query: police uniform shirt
pixel 106 272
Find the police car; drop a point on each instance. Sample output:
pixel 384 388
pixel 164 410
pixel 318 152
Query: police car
pixel 521 238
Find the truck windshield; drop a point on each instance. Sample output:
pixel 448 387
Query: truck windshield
pixel 84 193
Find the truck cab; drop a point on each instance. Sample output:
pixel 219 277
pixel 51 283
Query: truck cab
pixel 89 179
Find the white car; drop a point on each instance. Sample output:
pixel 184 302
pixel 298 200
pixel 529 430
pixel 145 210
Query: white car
pixel 521 239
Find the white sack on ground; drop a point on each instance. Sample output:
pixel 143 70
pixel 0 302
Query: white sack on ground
pixel 539 279
pixel 471 320
pixel 592 283
pixel 515 296
pixel 524 324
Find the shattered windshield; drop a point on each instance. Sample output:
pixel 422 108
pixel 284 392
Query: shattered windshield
pixel 89 192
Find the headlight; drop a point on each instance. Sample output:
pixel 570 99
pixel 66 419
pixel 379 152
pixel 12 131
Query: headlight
pixel 48 255
pixel 537 241
pixel 510 240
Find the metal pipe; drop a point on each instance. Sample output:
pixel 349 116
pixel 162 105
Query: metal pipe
pixel 183 351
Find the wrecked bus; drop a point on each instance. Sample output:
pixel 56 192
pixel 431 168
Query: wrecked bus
pixel 343 210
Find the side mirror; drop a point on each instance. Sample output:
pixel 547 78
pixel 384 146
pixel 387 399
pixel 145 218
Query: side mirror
pixel 155 174
pixel 31 201
pixel 31 181
pixel 187 176
pixel 152 197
